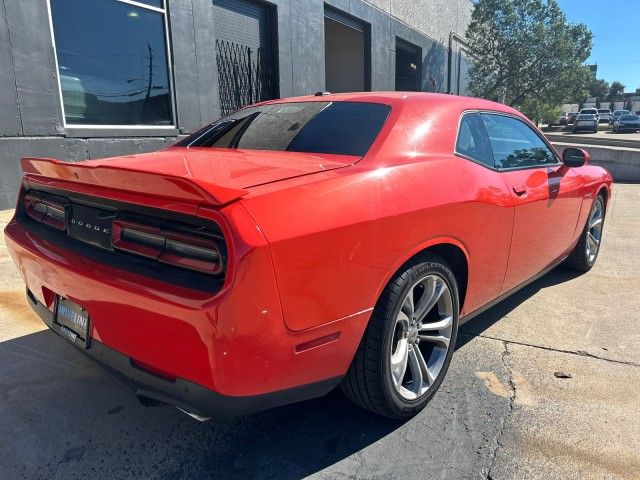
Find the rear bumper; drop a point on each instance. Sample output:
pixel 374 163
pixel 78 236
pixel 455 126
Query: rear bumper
pixel 233 344
pixel 181 393
pixel 584 127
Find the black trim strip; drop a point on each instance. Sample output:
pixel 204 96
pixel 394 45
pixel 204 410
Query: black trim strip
pixel 137 264
pixel 484 308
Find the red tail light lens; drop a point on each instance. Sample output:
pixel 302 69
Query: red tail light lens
pixel 47 209
pixel 184 248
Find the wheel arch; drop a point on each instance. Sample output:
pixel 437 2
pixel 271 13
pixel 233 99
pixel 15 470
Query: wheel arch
pixel 605 192
pixel 451 250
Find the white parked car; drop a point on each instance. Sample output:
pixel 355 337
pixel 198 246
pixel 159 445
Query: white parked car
pixel 605 115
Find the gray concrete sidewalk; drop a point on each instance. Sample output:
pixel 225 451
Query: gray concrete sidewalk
pixel 501 412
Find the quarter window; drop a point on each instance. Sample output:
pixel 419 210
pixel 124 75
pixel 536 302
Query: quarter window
pixel 112 62
pixel 473 141
pixel 515 144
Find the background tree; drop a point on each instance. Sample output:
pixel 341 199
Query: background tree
pixel 541 112
pixel 616 90
pixel 638 91
pixel 599 88
pixel 527 54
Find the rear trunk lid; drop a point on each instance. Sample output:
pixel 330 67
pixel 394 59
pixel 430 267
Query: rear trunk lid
pixel 214 176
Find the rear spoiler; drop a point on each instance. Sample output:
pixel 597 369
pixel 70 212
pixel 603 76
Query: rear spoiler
pixel 131 180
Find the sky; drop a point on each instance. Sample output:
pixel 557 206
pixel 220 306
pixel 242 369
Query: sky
pixel 616 42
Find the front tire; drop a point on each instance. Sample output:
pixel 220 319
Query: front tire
pixel 407 347
pixel 584 255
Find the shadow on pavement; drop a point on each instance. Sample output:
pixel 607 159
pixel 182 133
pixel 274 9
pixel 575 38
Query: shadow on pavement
pixel 63 417
pixel 65 414
pixel 477 325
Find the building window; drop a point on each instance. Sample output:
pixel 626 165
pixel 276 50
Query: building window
pixel 113 63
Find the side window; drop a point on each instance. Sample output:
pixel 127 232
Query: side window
pixel 473 141
pixel 515 144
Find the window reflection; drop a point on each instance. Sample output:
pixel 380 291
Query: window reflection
pixel 515 144
pixel 112 62
pixel 341 128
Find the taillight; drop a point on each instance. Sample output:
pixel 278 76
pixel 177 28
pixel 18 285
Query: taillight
pixel 47 209
pixel 186 248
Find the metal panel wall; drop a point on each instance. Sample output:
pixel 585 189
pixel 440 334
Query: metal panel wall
pixel 10 122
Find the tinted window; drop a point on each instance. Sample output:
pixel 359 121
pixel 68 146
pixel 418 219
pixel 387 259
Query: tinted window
pixel 344 128
pixel 112 62
pixel 515 144
pixel 629 117
pixel 473 141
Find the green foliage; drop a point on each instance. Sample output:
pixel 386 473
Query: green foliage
pixel 541 112
pixel 527 54
pixel 616 90
pixel 599 88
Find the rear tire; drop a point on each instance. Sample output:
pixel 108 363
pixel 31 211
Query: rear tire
pixel 584 255
pixel 405 352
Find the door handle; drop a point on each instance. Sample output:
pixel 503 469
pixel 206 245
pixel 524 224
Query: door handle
pixel 519 190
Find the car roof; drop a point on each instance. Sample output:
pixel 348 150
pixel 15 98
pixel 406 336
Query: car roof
pixel 398 98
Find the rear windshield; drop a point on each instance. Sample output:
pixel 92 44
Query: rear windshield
pixel 586 116
pixel 589 111
pixel 629 117
pixel 604 111
pixel 342 128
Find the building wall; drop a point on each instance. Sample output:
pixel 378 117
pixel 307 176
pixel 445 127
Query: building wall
pixel 31 122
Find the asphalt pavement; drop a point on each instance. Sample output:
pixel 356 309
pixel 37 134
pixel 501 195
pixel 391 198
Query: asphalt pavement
pixel 544 385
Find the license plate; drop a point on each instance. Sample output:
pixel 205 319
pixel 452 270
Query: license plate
pixel 72 321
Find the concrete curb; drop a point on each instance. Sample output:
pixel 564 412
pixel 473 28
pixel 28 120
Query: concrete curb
pixel 606 141
pixel 622 163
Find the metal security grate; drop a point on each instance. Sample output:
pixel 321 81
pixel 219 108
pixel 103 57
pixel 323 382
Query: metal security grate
pixel 245 75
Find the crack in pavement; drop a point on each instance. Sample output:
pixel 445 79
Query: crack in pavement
pixel 580 353
pixel 512 399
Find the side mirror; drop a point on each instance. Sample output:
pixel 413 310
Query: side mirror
pixel 575 157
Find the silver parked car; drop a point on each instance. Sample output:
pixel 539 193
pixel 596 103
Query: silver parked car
pixel 604 115
pixel 586 121
pixel 591 111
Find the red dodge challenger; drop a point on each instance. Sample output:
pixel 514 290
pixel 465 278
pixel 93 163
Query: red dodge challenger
pixel 301 244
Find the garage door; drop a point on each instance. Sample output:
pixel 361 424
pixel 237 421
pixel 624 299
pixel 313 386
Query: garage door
pixel 346 46
pixel 245 53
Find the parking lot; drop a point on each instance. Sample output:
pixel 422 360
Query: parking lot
pixel 605 137
pixel 543 385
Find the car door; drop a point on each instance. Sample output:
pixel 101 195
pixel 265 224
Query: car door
pixel 546 196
